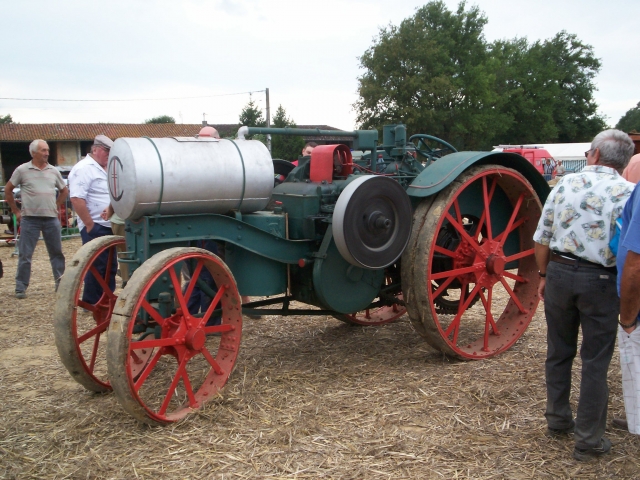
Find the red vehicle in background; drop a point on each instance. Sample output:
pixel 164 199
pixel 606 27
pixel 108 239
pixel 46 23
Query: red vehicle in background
pixel 535 155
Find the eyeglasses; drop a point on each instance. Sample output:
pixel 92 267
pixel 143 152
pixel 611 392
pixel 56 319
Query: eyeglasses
pixel 586 154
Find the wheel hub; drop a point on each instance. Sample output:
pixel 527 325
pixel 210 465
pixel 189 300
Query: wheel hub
pixel 195 339
pixel 495 264
pixel 490 262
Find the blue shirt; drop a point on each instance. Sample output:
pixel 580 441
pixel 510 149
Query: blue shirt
pixel 630 232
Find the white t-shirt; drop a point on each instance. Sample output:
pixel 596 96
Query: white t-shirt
pixel 88 181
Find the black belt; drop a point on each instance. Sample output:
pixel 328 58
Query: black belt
pixel 570 259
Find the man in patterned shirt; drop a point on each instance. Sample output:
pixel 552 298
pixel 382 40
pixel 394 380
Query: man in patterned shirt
pixel 575 262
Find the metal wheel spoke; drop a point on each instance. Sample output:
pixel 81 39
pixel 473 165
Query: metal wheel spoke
pixel 464 304
pixel 147 370
pixel 155 343
pixel 187 387
pixel 512 276
pixel 463 233
pixel 94 353
pixel 490 321
pixel 513 296
pixel 517 256
pixel 212 361
pixel 172 387
pixel 506 232
pixel 453 273
pixel 153 312
pixel 456 207
pixel 87 306
pixel 218 328
pixel 443 287
pixel 514 214
pixel 487 203
pixel 105 288
pixel 194 279
pixel 101 327
pixel 214 304
pixel 177 289
pixel 483 217
pixel 444 251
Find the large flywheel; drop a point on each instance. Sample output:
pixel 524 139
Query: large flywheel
pixel 372 222
pixel 471 281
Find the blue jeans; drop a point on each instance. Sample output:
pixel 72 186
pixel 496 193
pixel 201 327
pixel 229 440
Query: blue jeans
pixel 30 228
pixel 92 289
pixel 577 298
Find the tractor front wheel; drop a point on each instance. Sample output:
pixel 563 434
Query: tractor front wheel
pixel 192 355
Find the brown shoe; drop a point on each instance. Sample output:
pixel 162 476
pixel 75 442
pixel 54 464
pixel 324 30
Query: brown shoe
pixel 620 423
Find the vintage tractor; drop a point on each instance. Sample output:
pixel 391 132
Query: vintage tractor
pixel 411 227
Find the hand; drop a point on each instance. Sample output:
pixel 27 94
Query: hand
pixel 18 215
pixel 541 285
pixel 89 227
pixel 104 214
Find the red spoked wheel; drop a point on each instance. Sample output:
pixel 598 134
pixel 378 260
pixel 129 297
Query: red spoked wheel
pixel 191 360
pixel 376 315
pixel 80 327
pixel 473 286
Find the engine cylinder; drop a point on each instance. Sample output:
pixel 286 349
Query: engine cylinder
pixel 188 175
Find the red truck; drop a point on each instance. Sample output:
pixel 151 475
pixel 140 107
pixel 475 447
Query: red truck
pixel 535 155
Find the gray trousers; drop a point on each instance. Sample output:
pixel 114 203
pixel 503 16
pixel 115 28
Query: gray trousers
pixel 30 228
pixel 574 298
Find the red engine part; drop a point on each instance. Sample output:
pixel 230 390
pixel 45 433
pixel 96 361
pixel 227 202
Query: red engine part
pixel 329 162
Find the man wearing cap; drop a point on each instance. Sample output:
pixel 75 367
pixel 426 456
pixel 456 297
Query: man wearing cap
pixel 38 181
pixel 90 196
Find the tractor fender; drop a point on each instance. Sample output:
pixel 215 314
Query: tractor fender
pixel 444 171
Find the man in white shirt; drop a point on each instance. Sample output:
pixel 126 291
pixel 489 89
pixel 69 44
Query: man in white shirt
pixel 89 193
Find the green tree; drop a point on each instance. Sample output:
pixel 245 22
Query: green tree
pixel 432 73
pixel 630 121
pixel 285 146
pixel 6 119
pixel 436 73
pixel 161 119
pixel 251 116
pixel 546 90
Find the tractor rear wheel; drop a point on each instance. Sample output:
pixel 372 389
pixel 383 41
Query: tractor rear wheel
pixel 471 288
pixel 193 355
pixel 377 315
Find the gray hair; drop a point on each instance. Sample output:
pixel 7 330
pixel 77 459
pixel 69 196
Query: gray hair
pixel 616 148
pixel 33 146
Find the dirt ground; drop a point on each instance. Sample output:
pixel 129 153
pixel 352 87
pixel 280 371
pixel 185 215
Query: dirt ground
pixel 310 397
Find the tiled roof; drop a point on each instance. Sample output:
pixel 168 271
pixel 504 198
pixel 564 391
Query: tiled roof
pixel 26 132
pixel 23 132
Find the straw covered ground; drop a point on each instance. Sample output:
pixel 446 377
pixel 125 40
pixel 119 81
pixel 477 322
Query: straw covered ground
pixel 310 398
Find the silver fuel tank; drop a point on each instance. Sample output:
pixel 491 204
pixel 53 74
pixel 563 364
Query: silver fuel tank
pixel 188 175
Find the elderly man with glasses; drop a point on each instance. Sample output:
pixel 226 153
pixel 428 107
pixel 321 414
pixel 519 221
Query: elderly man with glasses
pixel 89 193
pixel 578 286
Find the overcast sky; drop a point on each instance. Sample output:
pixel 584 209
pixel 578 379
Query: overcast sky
pixel 305 52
